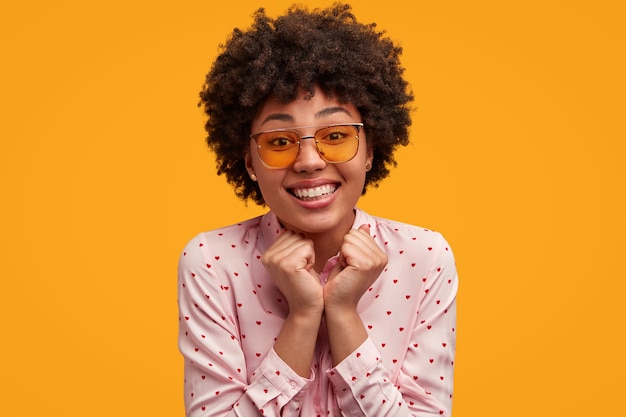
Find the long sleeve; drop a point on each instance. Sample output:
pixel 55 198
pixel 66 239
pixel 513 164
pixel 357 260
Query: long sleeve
pixel 406 368
pixel 427 372
pixel 217 382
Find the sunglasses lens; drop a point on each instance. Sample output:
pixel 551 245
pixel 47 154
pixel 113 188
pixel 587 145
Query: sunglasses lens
pixel 278 149
pixel 337 143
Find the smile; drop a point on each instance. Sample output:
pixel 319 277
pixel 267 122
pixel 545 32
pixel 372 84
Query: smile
pixel 313 193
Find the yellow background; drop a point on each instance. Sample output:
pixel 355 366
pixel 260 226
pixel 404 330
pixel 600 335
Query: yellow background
pixel 517 158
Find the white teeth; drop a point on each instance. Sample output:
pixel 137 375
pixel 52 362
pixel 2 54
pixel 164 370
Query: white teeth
pixel 314 192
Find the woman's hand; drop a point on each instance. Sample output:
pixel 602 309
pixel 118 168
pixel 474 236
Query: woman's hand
pixel 361 262
pixel 290 262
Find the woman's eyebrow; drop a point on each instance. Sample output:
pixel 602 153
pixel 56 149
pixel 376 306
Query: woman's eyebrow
pixel 285 117
pixel 332 110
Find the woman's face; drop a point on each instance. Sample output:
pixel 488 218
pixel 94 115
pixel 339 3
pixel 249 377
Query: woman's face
pixel 341 184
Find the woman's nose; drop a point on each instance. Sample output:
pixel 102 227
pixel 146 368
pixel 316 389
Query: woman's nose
pixel 309 158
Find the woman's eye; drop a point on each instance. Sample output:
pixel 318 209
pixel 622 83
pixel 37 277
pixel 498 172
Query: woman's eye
pixel 334 137
pixel 280 142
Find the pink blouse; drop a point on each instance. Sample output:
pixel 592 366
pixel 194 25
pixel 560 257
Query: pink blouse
pixel 231 313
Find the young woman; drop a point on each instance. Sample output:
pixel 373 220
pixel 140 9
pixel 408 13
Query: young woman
pixel 315 308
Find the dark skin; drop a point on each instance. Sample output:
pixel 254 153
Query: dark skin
pixel 316 229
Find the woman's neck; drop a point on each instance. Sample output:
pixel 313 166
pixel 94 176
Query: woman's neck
pixel 327 243
pixel 325 248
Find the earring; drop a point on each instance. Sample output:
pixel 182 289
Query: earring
pixel 368 167
pixel 253 176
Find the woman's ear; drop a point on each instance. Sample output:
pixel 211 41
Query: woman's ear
pixel 369 158
pixel 249 166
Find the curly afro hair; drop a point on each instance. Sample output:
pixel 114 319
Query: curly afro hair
pixel 302 49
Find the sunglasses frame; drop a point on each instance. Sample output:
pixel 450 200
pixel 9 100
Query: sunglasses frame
pixel 356 126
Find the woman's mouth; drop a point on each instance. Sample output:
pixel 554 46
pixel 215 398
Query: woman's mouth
pixel 314 192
